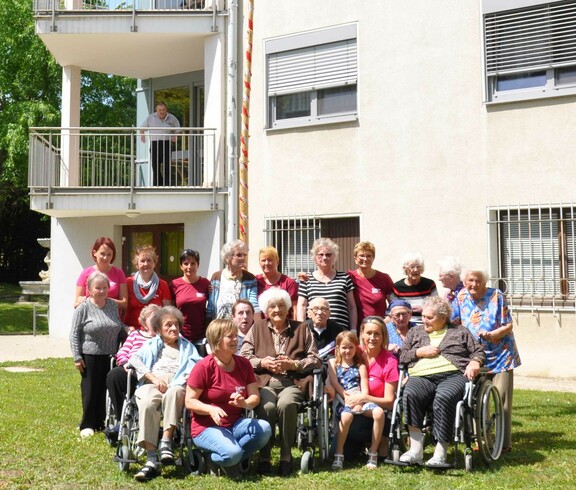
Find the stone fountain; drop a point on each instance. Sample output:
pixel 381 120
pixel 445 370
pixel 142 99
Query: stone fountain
pixel 38 288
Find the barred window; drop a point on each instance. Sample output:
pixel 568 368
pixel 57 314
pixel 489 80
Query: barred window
pixel 536 252
pixel 293 237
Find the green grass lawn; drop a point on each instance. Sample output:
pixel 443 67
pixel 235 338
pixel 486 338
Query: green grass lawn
pixel 16 318
pixel 40 446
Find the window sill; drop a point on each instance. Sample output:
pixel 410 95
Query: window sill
pixel 305 122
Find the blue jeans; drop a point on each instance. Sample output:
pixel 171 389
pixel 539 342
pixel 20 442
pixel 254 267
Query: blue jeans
pixel 228 447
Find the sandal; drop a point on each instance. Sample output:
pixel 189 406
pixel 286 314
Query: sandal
pixel 372 463
pixel 166 455
pixel 338 463
pixel 147 473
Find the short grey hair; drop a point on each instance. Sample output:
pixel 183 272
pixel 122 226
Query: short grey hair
pixel 476 272
pixel 439 306
pixel 324 243
pixel 413 257
pixel 318 299
pixel 163 312
pixel 450 265
pixel 274 294
pixel 96 276
pixel 228 249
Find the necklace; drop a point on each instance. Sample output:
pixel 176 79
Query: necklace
pixel 227 366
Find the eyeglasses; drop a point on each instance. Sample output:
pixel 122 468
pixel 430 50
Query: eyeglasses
pixel 320 309
pixel 240 255
pixel 324 255
pixel 413 267
pixel 400 315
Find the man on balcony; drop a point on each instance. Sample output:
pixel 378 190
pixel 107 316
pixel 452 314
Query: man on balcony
pixel 160 142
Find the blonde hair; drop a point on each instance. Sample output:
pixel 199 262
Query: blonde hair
pixel 144 249
pixel 377 320
pixel 217 330
pixel 364 247
pixel 353 339
pixel 269 252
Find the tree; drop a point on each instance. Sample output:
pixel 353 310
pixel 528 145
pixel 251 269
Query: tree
pixel 30 95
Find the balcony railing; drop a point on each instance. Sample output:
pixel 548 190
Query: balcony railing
pixel 57 6
pixel 120 159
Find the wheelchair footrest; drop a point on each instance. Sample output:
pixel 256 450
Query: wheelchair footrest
pixel 446 466
pixel 400 463
pixel 118 459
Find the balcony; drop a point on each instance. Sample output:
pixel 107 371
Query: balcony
pixel 135 38
pixel 77 172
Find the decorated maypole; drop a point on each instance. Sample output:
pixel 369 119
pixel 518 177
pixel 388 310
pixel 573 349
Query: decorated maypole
pixel 245 133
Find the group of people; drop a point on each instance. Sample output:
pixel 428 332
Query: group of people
pixel 268 333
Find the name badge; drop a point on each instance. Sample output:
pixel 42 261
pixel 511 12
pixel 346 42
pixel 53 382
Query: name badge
pixel 200 295
pixel 375 290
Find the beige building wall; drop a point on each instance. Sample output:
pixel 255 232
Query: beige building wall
pixel 426 156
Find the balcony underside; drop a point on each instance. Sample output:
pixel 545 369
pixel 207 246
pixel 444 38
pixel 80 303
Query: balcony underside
pixel 83 202
pixel 162 45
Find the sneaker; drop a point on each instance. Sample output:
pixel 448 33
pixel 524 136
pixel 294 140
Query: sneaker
pixel 411 458
pixel 84 433
pixel 436 462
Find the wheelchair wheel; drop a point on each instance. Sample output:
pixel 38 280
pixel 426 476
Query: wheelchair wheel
pixel 395 453
pixel 307 462
pixel 124 457
pixel 489 420
pixel 468 461
pixel 195 463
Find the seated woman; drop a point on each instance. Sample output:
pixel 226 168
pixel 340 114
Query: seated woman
pixel 162 366
pixel 441 358
pixel 283 353
pixel 400 314
pixel 220 387
pixel 117 379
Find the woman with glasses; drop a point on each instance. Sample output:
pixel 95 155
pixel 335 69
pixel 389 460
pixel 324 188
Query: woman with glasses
pixel 400 314
pixel 232 283
pixel 414 288
pixel 326 282
pixel 372 288
pixel 190 295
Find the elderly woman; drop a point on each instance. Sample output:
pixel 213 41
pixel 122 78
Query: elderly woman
pixel 272 277
pixel 400 314
pixel 104 254
pixel 190 294
pixel 484 312
pixel 282 353
pixel 336 287
pixel 414 288
pixel 162 365
pixel 372 288
pixel 220 387
pixel 441 357
pixel 323 329
pixel 232 283
pixel 382 385
pixel 145 287
pixel 94 334
pixel 449 270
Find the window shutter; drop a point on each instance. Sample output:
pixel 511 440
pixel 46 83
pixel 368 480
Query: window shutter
pixel 530 39
pixel 313 68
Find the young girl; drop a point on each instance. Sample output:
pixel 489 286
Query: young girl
pixel 348 374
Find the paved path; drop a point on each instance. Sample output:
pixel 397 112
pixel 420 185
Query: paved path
pixel 28 347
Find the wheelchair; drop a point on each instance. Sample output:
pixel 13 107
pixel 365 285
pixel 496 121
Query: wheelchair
pixel 128 451
pixel 479 420
pixel 313 429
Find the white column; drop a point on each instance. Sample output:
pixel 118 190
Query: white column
pixel 214 109
pixel 69 146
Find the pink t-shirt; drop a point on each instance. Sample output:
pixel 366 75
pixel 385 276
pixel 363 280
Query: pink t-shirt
pixel 384 369
pixel 370 294
pixel 115 275
pixel 217 386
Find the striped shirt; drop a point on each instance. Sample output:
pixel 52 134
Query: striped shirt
pixel 130 346
pixel 334 291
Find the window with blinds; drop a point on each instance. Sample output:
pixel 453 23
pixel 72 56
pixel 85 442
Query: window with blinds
pixel 312 77
pixel 529 52
pixel 537 252
pixel 293 237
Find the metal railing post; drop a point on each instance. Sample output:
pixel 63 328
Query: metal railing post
pixel 132 167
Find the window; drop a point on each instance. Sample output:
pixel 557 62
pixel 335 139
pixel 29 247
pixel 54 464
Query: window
pixel 312 78
pixel 536 253
pixel 529 52
pixel 293 237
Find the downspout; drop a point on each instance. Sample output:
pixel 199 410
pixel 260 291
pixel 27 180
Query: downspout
pixel 245 130
pixel 232 119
